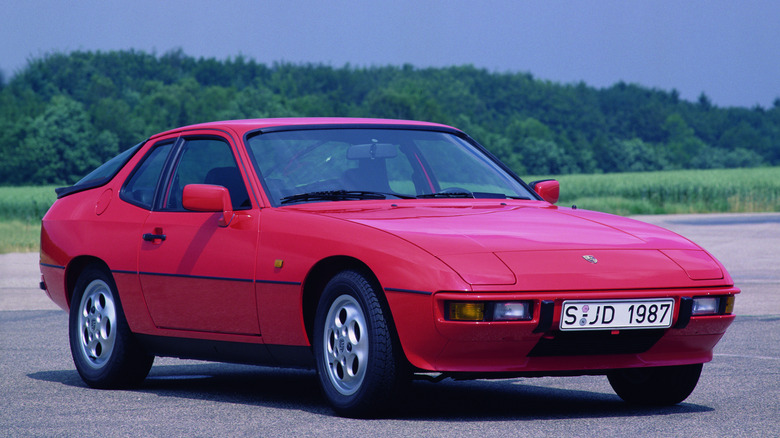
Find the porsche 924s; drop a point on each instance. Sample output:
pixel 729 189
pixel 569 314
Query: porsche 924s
pixel 374 251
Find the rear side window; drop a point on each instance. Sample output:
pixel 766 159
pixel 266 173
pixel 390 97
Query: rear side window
pixel 102 174
pixel 142 184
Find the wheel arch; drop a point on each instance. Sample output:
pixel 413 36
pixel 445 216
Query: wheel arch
pixel 318 277
pixel 74 270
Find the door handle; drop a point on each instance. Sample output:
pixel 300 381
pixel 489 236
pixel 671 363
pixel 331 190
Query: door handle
pixel 149 237
pixel 156 237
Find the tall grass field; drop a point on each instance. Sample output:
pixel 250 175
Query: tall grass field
pixel 666 192
pixel 749 190
pixel 21 210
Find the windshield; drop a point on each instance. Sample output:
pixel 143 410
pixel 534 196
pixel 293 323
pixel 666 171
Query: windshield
pixel 346 164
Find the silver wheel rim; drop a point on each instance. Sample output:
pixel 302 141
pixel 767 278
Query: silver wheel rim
pixel 345 342
pixel 97 324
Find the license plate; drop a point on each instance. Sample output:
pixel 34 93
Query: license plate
pixel 617 314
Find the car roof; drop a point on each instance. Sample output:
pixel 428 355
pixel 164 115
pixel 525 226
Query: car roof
pixel 243 126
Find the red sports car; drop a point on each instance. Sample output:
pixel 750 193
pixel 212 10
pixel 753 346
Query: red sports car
pixel 375 251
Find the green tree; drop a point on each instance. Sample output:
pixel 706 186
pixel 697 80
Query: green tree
pixel 633 156
pixel 682 144
pixel 96 100
pixel 59 146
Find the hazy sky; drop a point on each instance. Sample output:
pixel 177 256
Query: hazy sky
pixel 730 50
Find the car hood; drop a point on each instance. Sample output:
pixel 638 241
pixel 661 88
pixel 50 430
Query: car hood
pixel 543 247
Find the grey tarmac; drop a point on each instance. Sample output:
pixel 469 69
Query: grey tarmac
pixel 738 394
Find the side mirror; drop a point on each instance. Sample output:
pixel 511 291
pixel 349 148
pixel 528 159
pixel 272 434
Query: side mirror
pixel 205 197
pixel 548 189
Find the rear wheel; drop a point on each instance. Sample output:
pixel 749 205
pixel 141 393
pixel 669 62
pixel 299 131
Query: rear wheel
pixel 104 350
pixel 658 386
pixel 357 361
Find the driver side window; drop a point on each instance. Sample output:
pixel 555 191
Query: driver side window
pixel 206 161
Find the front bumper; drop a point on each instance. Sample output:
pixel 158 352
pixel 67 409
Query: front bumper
pixel 538 347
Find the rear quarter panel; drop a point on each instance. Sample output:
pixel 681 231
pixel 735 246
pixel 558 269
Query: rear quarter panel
pixel 72 231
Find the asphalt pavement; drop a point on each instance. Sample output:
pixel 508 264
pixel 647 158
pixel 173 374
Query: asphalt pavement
pixel 738 394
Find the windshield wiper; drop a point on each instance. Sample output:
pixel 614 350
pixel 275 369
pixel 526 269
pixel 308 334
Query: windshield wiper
pixel 467 194
pixel 447 194
pixel 339 195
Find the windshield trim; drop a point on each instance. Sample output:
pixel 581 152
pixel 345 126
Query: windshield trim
pixel 249 135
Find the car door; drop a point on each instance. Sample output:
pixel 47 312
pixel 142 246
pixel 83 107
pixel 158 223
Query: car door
pixel 197 273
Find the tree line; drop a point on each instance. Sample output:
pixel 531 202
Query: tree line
pixel 65 113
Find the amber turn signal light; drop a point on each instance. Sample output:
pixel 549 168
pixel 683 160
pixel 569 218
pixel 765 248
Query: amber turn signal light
pixel 462 311
pixel 489 311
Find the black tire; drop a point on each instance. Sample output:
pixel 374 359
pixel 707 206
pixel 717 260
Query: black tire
pixel 360 367
pixel 659 386
pixel 104 350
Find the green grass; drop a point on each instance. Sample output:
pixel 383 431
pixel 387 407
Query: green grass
pixel 21 210
pixel 19 236
pixel 670 192
pixel 28 203
pixel 666 192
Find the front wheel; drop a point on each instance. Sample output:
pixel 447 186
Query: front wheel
pixel 658 386
pixel 358 364
pixel 104 350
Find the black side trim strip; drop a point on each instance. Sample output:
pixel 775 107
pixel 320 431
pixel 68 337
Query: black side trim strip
pixel 292 283
pixel 199 277
pixel 408 291
pixel 52 266
pixel 203 277
pixel 119 271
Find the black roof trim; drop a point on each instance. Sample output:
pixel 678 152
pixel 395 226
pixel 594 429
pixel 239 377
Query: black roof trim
pixel 65 191
pixel 400 127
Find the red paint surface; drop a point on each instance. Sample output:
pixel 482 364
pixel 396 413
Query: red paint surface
pixel 215 282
